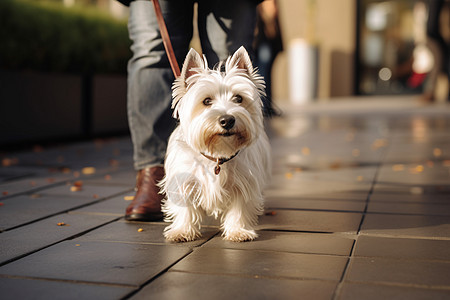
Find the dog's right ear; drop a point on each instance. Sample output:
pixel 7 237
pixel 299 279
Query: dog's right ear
pixel 193 64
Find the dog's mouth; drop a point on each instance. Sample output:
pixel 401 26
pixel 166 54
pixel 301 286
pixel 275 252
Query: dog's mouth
pixel 227 133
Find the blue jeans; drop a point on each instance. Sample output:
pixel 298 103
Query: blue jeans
pixel 224 26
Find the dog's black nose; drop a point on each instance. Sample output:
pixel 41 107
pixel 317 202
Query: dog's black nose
pixel 227 121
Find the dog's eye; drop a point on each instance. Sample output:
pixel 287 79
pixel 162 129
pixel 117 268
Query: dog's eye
pixel 237 99
pixel 207 102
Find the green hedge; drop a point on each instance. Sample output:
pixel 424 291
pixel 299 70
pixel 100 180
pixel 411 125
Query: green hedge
pixel 50 37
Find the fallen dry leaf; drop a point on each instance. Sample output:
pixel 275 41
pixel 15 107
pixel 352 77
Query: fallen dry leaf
pixel 306 151
pixel 62 224
pixel 356 152
pixel 38 148
pixel 88 170
pixel 417 169
pixel 379 143
pixel 271 213
pixel 417 190
pixel 335 165
pixel 6 162
pixel 75 188
pixel 78 183
pixel 113 162
pixel 65 170
pixel 140 230
pixel 398 167
pixel 437 152
pixel 128 198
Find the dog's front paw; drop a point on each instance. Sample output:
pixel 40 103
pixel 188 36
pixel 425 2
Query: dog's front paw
pixel 180 235
pixel 240 235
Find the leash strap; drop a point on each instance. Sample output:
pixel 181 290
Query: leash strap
pixel 166 39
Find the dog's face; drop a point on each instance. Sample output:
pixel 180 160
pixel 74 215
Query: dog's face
pixel 219 112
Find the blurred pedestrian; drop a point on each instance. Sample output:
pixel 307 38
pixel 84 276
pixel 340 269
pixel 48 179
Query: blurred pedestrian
pixel 268 43
pixel 439 47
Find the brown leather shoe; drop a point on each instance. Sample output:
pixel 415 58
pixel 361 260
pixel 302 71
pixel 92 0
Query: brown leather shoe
pixel 146 205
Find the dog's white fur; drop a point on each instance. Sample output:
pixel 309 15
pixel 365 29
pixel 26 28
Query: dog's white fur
pixel 192 188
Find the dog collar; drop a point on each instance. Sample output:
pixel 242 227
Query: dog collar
pixel 219 161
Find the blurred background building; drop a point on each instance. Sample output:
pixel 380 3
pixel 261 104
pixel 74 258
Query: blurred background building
pixel 63 62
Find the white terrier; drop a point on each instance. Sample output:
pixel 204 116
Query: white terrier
pixel 218 158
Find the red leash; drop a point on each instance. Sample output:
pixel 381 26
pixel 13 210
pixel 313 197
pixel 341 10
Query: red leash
pixel 166 39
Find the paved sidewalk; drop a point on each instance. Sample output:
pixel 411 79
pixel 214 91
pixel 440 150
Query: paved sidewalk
pixel 358 208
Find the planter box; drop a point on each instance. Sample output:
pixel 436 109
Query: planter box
pixel 39 106
pixel 109 104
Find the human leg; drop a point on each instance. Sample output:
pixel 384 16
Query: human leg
pixel 149 96
pixel 224 26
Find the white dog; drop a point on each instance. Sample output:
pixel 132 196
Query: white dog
pixel 218 158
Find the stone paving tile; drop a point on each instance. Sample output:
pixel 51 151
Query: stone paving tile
pixel 30 238
pixel 315 204
pixel 356 291
pixel 315 221
pixel 125 177
pixel 290 242
pixel 412 189
pixel 28 208
pixel 322 190
pixel 22 288
pixel 263 264
pixel 113 206
pixel 419 249
pixel 28 185
pixel 176 285
pixel 97 262
pixel 397 271
pixel 410 208
pixel 348 174
pixel 409 197
pixel 87 190
pixel 333 195
pixel 406 226
pixel 422 173
pixel 303 188
pixel 150 233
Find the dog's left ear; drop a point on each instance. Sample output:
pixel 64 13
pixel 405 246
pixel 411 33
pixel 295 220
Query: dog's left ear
pixel 241 60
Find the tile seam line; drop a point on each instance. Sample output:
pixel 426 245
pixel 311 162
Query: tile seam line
pixel 164 271
pixel 403 285
pixel 340 284
pixel 241 275
pixel 93 283
pixel 66 211
pixel 58 242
